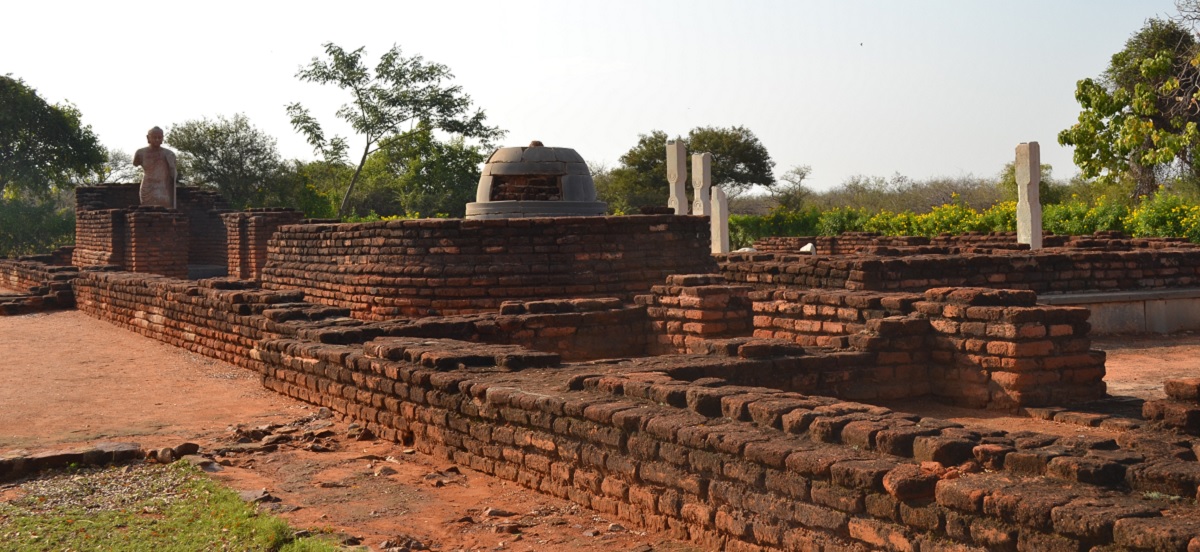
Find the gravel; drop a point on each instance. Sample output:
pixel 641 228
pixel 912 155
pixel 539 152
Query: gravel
pixel 103 488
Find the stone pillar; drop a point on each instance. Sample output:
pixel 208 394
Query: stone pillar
pixel 701 183
pixel 677 176
pixel 1029 205
pixel 720 221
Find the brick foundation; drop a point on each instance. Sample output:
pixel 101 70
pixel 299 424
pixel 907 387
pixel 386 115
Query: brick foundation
pixel 249 233
pixel 444 267
pixel 1043 271
pixel 666 444
pixel 973 347
pixel 851 243
pixel 39 282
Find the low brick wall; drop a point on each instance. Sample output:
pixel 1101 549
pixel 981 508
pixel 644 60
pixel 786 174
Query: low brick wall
pixel 206 229
pixel 103 233
pixel 690 310
pixel 851 243
pixel 744 468
pixel 1043 271
pixel 99 238
pixel 974 347
pixel 401 268
pixel 673 443
pixel 156 242
pixel 37 284
pixel 221 319
pixel 249 233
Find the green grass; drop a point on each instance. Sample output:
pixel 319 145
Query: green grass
pixel 194 513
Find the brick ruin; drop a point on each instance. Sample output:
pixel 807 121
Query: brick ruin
pixel 726 401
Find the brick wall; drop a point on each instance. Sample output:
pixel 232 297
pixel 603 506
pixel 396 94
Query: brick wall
pixel 850 243
pixel 744 468
pixel 110 225
pixel 107 196
pixel 975 347
pixel 206 230
pixel 249 233
pixel 37 284
pixel 1045 271
pixel 156 241
pixel 674 443
pixel 99 238
pixel 421 267
pixel 692 309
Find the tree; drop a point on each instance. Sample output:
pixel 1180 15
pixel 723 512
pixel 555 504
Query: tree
pixel 240 161
pixel 42 147
pixel 1139 119
pixel 740 161
pixel 1049 189
pixel 399 92
pixel 792 196
pixel 434 178
pixel 117 168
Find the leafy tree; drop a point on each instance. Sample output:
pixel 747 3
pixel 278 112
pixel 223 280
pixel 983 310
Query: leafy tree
pixel 740 161
pixel 42 146
pixel 240 161
pixel 399 92
pixel 35 225
pixel 434 178
pixel 641 178
pixel 1139 119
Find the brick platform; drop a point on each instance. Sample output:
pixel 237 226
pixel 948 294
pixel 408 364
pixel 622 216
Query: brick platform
pixel 1056 270
pixel 444 267
pixel 675 443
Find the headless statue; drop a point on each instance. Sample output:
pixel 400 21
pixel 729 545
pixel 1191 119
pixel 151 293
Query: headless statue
pixel 158 164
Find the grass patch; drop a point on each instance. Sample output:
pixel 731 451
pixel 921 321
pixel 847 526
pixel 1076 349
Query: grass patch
pixel 141 507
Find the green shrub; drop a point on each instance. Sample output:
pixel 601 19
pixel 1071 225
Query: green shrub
pixel 1165 215
pixel 745 229
pixel 842 219
pixel 1001 217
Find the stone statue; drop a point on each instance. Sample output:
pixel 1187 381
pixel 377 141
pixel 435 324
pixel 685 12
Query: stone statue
pixel 158 182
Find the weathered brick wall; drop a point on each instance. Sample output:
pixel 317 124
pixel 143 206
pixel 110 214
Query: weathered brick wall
pixel 223 318
pixel 823 318
pixel 692 309
pixel 107 196
pixel 997 348
pixel 672 443
pixel 398 268
pixel 1044 271
pixel 156 241
pixel 104 230
pixel 745 468
pixel 1181 408
pixel 248 234
pixel 206 230
pixel 975 347
pixel 850 243
pixel 99 237
pixel 38 285
pixel 218 318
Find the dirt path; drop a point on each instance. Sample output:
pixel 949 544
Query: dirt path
pixel 70 379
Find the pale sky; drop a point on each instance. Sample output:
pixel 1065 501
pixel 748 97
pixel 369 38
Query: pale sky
pixel 922 88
